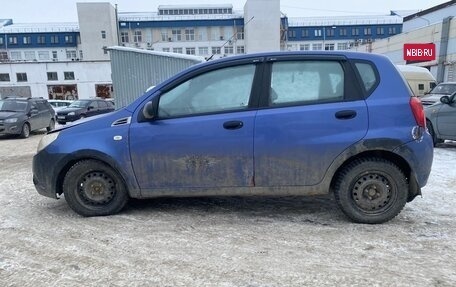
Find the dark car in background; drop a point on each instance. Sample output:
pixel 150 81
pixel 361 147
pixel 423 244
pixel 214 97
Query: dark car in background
pixel 80 109
pixel 441 119
pixel 20 116
pixel 442 89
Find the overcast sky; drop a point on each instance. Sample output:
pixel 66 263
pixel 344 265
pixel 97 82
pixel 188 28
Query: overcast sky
pixel 33 11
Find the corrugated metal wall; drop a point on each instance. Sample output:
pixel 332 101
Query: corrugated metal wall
pixel 135 70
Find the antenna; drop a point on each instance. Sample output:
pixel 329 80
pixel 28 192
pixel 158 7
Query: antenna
pixel 231 38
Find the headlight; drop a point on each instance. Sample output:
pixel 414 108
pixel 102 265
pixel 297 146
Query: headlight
pixel 47 140
pixel 71 113
pixel 10 121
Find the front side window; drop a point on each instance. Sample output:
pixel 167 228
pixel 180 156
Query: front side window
pixel 215 91
pixel 306 82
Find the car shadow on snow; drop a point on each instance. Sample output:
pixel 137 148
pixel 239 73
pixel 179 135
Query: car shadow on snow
pixel 315 209
pixel 447 145
pixel 17 137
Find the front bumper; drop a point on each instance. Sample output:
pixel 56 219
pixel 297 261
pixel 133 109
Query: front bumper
pixel 46 168
pixel 10 129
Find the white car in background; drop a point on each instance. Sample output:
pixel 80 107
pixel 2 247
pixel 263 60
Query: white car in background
pixel 58 105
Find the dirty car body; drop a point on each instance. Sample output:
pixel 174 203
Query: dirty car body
pixel 264 124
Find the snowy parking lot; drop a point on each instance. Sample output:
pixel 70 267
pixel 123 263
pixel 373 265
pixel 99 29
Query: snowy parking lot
pixel 222 241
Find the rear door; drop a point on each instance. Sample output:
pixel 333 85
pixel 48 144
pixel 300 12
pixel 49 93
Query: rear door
pixel 313 113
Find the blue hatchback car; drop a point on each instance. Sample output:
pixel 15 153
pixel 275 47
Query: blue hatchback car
pixel 274 124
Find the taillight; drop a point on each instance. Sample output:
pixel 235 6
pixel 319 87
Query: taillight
pixel 418 111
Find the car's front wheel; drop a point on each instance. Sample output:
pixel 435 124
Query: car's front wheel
pixel 25 132
pixel 371 190
pixel 92 188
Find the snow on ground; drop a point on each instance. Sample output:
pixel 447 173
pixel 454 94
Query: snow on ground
pixel 222 241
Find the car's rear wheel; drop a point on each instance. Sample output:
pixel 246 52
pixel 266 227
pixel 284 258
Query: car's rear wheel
pixel 371 190
pixel 430 128
pixel 51 126
pixel 25 132
pixel 92 188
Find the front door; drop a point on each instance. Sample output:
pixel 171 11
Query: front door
pixel 446 121
pixel 201 136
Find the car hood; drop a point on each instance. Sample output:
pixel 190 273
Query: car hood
pixel 67 110
pixel 6 115
pixel 431 98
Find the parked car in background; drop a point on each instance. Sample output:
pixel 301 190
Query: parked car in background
pixel 20 116
pixel 421 81
pixel 82 109
pixel 59 104
pixel 275 124
pixel 441 119
pixel 442 89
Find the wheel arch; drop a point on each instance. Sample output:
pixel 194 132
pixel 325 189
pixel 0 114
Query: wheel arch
pixel 132 189
pixel 396 159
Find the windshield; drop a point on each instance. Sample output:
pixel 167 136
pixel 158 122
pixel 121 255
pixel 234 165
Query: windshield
pixel 13 106
pixel 79 104
pixel 445 89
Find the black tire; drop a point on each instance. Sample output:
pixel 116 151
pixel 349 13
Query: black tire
pixel 92 188
pixel 371 190
pixel 25 131
pixel 51 126
pixel 430 128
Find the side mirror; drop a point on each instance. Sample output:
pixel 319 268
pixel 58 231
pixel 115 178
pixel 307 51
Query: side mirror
pixel 445 100
pixel 149 110
pixel 90 108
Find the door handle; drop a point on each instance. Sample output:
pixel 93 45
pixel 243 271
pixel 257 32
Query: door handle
pixel 346 114
pixel 233 125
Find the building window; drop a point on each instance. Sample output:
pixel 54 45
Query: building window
pixel 292 34
pixel 177 36
pixel 317 32
pixel 343 31
pixel 124 37
pixel 317 47
pixel 69 39
pixel 240 50
pixel 355 32
pixel 165 49
pixel 342 46
pixel 367 31
pixel 216 50
pixel 54 56
pixel 103 34
pixel 190 51
pixel 105 50
pixel 27 40
pixel 21 77
pixel 81 55
pixel 30 55
pixel 203 51
pixel 240 33
pixel 229 50
pixel 380 30
pixel 392 30
pixel 71 54
pixel 4 77
pixel 52 76
pixel 43 55
pixel 304 47
pixel 330 32
pixel 305 33
pixel 137 36
pixel 329 47
pixel 190 34
pixel 68 75
pixel 54 39
pixel 41 40
pixel 164 35
pixel 177 50
pixel 3 56
pixel 12 40
pixel 16 56
pixel 1 41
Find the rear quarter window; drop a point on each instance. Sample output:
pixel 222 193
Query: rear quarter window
pixel 368 74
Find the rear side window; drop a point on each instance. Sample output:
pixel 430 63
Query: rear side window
pixel 302 82
pixel 368 75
